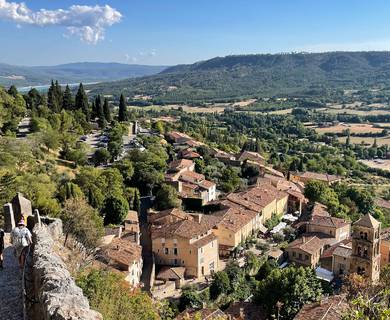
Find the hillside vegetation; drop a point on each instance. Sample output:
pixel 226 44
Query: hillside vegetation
pixel 234 77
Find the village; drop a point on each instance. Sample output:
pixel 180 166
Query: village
pixel 165 251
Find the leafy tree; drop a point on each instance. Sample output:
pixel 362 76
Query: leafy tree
pixel 67 101
pixel 82 221
pixel 101 156
pixel 220 284
pixel 110 294
pixel 122 115
pixel 252 263
pixel 115 149
pixel 126 169
pixel 115 209
pixel 293 287
pixel 265 269
pixel 167 197
pixel 190 298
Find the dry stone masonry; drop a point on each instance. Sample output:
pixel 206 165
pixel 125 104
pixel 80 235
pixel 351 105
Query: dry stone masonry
pixel 51 292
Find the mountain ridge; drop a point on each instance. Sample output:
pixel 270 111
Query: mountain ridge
pixel 240 76
pixel 73 72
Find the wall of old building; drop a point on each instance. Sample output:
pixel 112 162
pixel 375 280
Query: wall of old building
pixel 50 290
pixel 385 253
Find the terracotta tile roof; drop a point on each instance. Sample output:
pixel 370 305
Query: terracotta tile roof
pixel 343 251
pixel 367 221
pixel 132 216
pixel 254 156
pixel 176 135
pixel 180 164
pixel 194 143
pixel 327 221
pixel 171 273
pixel 190 175
pixel 203 314
pixel 385 234
pixel 256 198
pixel 297 194
pixel 235 218
pixel 329 252
pixel 204 241
pixel 206 184
pixel 168 216
pixel 311 244
pixel 187 227
pixel 122 252
pixel 246 311
pixel 318 176
pixel 189 154
pixel 320 210
pixel 331 308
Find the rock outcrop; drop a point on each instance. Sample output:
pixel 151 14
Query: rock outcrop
pixel 50 289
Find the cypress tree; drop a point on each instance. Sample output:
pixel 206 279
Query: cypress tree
pixel 58 95
pixel 51 96
pixel 122 115
pixel 67 101
pixel 13 91
pixel 106 110
pixel 100 112
pixel 81 102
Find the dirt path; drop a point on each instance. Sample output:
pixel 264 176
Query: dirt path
pixel 11 303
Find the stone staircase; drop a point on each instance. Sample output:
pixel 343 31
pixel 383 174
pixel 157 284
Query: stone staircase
pixel 11 301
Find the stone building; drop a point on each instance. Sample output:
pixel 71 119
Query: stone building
pixel 365 258
pixel 385 247
pixel 183 240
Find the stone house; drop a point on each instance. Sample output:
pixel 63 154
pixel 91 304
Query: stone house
pixel 305 251
pixel 341 260
pixel 181 239
pixel 333 227
pixel 126 256
pixel 306 176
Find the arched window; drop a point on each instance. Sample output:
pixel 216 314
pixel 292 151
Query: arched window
pixel 361 234
pixel 365 235
pixel 365 253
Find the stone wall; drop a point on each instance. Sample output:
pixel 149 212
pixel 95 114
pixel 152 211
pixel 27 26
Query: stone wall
pixel 51 292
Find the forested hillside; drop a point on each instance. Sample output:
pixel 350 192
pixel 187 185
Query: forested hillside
pixel 233 77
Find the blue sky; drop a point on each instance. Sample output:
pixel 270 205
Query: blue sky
pixel 184 31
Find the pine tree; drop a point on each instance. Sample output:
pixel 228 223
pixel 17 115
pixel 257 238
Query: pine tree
pixel 106 110
pixel 67 101
pixel 122 115
pixel 81 102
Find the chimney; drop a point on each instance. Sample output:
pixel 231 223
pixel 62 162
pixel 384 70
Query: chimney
pixel 198 217
pixel 120 232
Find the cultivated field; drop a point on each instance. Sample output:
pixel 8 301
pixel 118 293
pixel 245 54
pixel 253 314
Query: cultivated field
pixel 353 128
pixel 377 164
pixel 368 141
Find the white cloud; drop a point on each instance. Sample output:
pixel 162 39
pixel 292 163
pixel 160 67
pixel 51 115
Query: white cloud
pixel 86 22
pixel 142 55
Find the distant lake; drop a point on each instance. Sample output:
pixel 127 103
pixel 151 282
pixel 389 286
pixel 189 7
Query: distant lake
pixel 44 88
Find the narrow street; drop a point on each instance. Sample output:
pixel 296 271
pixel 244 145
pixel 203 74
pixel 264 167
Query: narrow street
pixel 11 302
